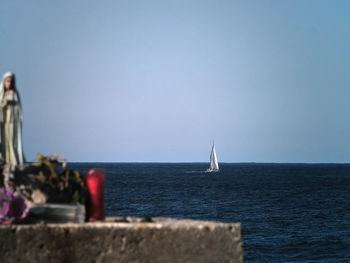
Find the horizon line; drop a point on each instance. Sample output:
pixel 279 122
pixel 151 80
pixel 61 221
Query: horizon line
pixel 202 162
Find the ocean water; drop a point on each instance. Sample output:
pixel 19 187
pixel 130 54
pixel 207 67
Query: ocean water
pixel 289 212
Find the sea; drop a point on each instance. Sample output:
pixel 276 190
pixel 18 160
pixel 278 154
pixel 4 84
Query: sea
pixel 289 212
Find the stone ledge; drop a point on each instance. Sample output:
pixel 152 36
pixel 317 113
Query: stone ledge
pixel 120 240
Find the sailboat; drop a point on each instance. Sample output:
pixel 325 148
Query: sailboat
pixel 214 166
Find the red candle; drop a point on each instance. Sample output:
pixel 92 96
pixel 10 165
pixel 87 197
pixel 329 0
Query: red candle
pixel 95 181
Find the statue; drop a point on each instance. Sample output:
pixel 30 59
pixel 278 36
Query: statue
pixel 11 122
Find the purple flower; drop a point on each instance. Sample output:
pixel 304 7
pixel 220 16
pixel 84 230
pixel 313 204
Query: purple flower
pixel 12 206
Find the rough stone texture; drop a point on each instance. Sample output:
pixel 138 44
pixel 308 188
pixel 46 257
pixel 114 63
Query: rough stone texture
pixel 162 240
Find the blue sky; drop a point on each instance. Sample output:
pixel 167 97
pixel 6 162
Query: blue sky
pixel 160 80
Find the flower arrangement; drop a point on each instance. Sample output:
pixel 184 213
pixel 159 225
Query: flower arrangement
pixel 53 172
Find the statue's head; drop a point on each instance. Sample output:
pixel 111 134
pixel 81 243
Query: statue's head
pixel 9 81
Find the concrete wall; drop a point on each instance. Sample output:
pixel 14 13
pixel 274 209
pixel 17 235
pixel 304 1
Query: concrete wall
pixel 162 240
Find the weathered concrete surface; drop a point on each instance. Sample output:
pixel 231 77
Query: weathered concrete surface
pixel 162 240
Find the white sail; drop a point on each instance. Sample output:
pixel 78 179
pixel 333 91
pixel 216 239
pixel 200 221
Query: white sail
pixel 214 166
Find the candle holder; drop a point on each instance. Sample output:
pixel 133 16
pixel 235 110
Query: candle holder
pixel 95 181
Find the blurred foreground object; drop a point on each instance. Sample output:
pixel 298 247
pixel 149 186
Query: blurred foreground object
pixel 10 121
pixel 47 181
pixel 159 240
pixel 56 213
pixel 95 181
pixel 12 206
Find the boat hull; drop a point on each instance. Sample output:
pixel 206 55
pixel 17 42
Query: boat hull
pixel 212 171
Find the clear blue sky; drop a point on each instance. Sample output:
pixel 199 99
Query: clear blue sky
pixel 160 80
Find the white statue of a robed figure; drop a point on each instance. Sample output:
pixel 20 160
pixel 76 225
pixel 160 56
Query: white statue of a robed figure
pixel 11 122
